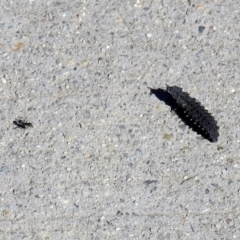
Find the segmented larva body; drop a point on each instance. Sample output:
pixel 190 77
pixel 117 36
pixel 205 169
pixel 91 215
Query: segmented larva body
pixel 195 112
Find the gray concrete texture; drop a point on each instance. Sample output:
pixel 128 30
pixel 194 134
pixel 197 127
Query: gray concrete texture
pixel 104 159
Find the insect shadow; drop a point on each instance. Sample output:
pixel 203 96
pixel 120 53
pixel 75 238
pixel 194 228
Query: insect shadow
pixel 166 97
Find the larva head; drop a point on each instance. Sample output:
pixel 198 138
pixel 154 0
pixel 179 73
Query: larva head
pixel 173 90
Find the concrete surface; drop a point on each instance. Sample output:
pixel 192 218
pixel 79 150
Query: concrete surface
pixel 104 159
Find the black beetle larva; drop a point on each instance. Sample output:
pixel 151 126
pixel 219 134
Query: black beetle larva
pixel 190 111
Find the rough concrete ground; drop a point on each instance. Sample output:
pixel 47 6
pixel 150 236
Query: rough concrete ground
pixel 104 159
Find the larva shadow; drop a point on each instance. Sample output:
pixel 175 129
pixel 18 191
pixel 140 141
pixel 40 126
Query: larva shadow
pixel 164 96
pixel 180 111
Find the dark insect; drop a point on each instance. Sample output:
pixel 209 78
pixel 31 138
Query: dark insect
pixel 22 124
pixel 190 111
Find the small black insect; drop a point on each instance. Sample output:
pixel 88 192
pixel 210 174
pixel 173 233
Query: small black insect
pixel 190 111
pixel 22 124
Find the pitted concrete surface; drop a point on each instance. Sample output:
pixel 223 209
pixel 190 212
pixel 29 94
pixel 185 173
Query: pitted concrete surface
pixel 104 159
